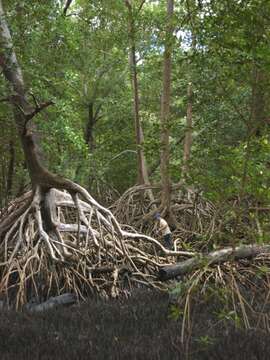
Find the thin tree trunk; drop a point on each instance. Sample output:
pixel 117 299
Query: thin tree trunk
pixel 2 183
pixel 188 134
pixel 255 122
pixel 92 118
pixel 157 163
pixel 141 161
pixel 258 114
pixel 89 136
pixel 10 168
pixel 142 168
pixel 165 112
pixel 67 5
pixel 189 118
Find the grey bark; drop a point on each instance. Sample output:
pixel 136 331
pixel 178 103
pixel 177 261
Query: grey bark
pixel 215 257
pixel 24 112
pixel 188 134
pixel 10 169
pixel 142 165
pixel 64 299
pixel 165 112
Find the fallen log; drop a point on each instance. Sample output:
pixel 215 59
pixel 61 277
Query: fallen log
pixel 64 299
pixel 229 254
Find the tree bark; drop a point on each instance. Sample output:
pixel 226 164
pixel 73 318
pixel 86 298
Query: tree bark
pixel 188 134
pixel 23 112
pixel 89 136
pixel 60 300
pixel 189 118
pixel 157 163
pixel 165 112
pixel 141 161
pixel 22 109
pixel 67 5
pixel 216 257
pixel 10 169
pixel 258 101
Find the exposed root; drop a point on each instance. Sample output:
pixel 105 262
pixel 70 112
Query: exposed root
pixel 236 291
pixel 62 242
pixel 215 257
pixel 134 205
pixel 193 216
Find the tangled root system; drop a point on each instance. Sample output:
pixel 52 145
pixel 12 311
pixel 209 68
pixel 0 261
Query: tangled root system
pixel 52 242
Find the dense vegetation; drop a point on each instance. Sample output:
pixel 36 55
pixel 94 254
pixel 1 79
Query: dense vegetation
pixel 148 106
pixel 80 61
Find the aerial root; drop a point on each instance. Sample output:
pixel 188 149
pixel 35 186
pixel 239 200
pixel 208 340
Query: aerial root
pixel 194 217
pixel 241 287
pixel 67 242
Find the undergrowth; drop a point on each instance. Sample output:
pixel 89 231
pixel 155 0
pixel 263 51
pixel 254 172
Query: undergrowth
pixel 143 327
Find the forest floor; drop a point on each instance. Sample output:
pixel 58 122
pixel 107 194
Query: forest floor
pixel 141 327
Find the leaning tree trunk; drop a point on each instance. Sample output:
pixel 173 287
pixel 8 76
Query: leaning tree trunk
pixel 165 113
pixel 24 111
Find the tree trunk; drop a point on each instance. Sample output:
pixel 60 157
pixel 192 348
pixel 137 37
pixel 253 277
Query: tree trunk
pixel 258 101
pixel 60 300
pixel 67 5
pixel 33 250
pixel 89 136
pixel 189 118
pixel 141 161
pixel 165 112
pixel 157 163
pixel 216 257
pixel 188 134
pixel 2 183
pixel 23 112
pixel 10 169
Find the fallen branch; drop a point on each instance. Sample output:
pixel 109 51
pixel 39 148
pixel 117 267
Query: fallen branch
pixel 219 256
pixel 64 299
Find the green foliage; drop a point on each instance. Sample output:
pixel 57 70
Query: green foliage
pixel 81 61
pixel 205 341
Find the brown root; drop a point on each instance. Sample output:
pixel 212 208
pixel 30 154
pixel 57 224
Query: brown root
pixel 193 217
pixel 60 242
pixel 239 291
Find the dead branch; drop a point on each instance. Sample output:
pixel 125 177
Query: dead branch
pixel 219 256
pixel 64 299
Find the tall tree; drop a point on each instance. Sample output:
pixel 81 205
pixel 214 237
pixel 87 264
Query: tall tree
pixel 31 233
pixel 189 118
pixel 165 110
pixel 44 203
pixel 141 160
pixel 188 134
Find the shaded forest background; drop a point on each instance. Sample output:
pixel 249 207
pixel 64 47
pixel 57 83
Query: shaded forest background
pixel 80 61
pixel 201 152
